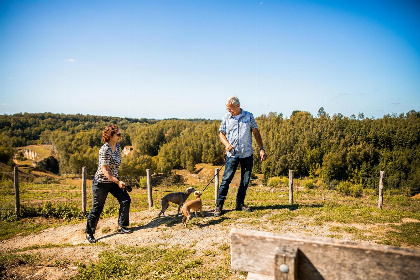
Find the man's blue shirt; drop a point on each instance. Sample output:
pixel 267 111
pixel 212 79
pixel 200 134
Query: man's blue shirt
pixel 239 133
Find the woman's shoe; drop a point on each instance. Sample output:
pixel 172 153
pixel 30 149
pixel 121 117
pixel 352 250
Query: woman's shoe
pixel 124 230
pixel 90 238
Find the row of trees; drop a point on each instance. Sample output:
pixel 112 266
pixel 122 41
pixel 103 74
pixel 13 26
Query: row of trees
pixel 334 148
pixel 341 148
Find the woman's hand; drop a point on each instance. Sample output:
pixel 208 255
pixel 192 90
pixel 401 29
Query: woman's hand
pixel 121 184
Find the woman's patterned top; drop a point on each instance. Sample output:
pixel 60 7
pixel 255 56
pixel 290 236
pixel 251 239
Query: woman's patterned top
pixel 109 158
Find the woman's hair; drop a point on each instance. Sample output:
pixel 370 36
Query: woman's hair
pixel 108 132
pixel 233 100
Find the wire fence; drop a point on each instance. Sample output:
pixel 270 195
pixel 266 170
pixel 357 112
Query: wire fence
pixel 48 193
pixel 54 195
pixel 392 186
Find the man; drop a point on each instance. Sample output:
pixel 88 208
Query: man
pixel 236 132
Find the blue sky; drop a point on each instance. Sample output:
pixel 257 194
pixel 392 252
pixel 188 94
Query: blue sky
pixel 182 59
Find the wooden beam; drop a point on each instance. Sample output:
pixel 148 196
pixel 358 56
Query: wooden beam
pixel 320 258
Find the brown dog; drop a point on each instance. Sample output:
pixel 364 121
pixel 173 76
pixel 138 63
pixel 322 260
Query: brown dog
pixel 177 198
pixel 194 205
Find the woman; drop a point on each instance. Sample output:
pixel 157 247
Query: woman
pixel 106 181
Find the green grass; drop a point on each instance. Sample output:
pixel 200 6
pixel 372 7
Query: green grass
pixel 21 227
pixel 156 262
pixel 404 234
pixel 315 203
pixel 13 260
pixel 314 206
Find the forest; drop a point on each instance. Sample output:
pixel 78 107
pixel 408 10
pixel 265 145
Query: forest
pixel 334 148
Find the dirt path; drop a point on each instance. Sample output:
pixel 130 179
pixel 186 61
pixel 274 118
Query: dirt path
pixel 71 247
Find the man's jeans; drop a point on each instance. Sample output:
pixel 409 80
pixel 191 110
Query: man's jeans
pixel 230 169
pixel 100 192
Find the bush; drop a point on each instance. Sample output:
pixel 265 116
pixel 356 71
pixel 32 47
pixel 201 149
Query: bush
pixel 273 182
pixel 309 184
pixel 347 188
pixel 332 184
pixel 62 210
pixel 277 182
pixel 356 190
pixel 46 180
pixel 143 182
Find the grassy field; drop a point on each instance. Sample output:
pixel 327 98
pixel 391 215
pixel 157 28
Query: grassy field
pixel 317 211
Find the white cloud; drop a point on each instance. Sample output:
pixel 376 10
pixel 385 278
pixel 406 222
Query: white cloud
pixel 71 60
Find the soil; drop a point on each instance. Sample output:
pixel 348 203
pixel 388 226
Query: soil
pixel 60 261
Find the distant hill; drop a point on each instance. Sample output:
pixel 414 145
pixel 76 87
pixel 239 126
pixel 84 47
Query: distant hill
pixel 27 155
pixel 38 157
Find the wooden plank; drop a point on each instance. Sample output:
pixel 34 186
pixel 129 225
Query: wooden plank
pixel 319 258
pixel 254 276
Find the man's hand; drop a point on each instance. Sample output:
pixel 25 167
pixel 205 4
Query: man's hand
pixel 229 147
pixel 263 155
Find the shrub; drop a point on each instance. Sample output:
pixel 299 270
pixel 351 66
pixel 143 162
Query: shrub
pixel 309 184
pixel 46 180
pixel 59 210
pixel 277 182
pixel 347 188
pixel 143 182
pixel 356 190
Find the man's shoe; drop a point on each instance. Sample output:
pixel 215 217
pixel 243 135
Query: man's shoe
pixel 90 238
pixel 243 207
pixel 218 212
pixel 124 230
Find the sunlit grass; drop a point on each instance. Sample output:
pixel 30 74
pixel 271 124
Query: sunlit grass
pixel 157 262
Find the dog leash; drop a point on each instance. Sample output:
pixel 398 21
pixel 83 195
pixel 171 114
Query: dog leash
pixel 213 177
pixel 221 167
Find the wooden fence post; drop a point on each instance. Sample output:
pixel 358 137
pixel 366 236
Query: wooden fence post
pixel 381 189
pixel 291 174
pixel 149 188
pixel 84 190
pixel 17 198
pixel 216 184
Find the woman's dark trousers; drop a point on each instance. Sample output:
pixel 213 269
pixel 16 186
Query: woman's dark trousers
pixel 100 192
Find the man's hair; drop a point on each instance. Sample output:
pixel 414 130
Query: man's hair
pixel 233 100
pixel 108 132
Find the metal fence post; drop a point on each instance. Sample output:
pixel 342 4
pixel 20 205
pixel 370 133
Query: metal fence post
pixel 16 183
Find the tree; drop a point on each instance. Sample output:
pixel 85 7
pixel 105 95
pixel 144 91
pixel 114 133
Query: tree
pixel 321 113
